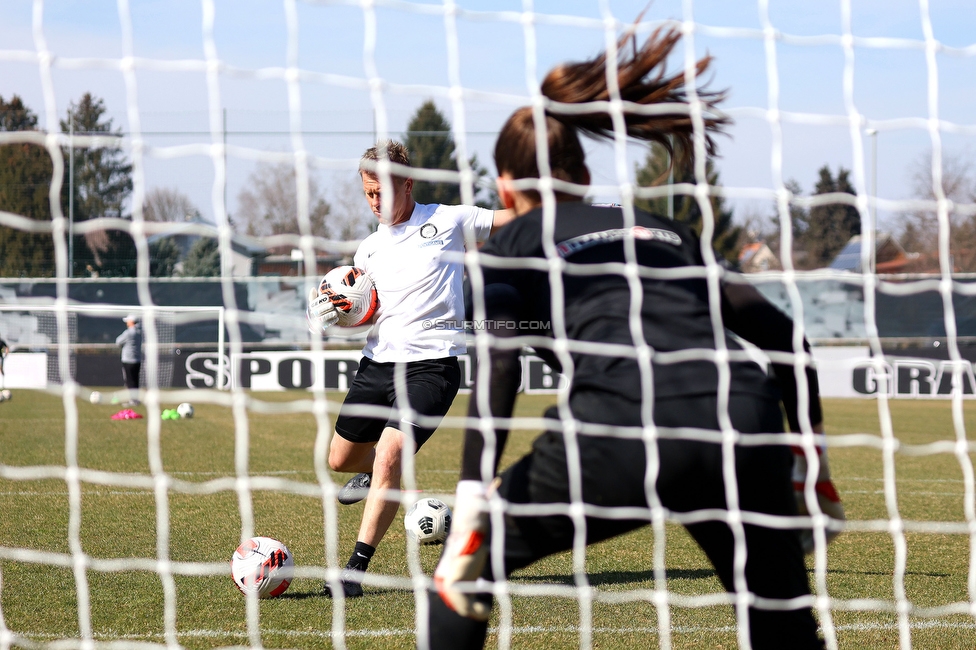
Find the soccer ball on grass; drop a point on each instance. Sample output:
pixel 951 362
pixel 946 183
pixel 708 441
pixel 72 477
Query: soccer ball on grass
pixel 95 397
pixel 353 294
pixel 263 566
pixel 428 521
pixel 185 410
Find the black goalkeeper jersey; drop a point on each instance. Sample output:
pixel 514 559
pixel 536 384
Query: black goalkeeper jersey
pixel 674 313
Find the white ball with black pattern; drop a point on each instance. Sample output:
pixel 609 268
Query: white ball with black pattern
pixel 428 521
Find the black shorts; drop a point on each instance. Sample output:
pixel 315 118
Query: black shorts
pixel 689 478
pixel 431 387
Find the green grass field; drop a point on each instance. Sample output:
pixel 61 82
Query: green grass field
pixel 39 596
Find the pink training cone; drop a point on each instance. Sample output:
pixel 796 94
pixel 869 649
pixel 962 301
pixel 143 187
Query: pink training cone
pixel 126 414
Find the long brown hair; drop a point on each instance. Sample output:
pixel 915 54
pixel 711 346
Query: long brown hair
pixel 578 83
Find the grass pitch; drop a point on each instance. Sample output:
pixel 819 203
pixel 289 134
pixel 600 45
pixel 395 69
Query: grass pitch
pixel 40 588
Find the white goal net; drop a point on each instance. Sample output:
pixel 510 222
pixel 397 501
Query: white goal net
pixel 33 328
pixel 811 86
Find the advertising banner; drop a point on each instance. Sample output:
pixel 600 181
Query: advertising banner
pixel 25 370
pixel 335 370
pixel 843 372
pixel 853 372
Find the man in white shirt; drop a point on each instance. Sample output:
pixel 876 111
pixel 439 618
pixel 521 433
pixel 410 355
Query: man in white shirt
pixel 415 261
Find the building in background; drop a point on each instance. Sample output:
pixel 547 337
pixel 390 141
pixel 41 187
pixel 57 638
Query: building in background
pixel 289 261
pixel 889 256
pixel 757 257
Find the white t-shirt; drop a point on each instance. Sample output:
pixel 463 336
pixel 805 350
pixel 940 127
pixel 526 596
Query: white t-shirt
pixel 417 268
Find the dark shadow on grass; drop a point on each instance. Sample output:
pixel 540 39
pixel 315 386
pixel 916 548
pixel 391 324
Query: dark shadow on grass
pixel 371 594
pixel 690 574
pixel 303 595
pixel 619 577
pixel 924 574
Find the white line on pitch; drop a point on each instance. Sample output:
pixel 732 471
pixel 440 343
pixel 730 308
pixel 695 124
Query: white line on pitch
pixel 149 493
pixel 906 493
pixel 88 493
pixel 566 629
pixel 231 475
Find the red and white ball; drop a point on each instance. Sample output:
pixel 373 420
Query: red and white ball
pixel 353 294
pixel 263 566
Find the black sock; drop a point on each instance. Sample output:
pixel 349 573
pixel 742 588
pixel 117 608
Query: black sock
pixel 361 556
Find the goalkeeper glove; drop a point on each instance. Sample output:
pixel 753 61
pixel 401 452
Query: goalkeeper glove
pixel 466 550
pixel 827 497
pixel 321 313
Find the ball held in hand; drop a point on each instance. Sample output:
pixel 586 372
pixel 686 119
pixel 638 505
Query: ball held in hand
pixel 352 293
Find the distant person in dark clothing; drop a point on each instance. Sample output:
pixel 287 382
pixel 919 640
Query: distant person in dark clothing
pixel 3 355
pixel 131 343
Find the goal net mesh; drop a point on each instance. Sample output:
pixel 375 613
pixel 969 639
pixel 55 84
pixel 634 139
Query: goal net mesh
pixel 35 329
pixel 54 329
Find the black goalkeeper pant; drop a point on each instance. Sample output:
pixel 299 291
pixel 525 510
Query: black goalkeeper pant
pixel 690 478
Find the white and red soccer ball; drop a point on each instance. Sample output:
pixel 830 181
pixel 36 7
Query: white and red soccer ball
pixel 353 294
pixel 263 566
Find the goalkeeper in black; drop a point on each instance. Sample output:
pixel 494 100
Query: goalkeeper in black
pixel 645 324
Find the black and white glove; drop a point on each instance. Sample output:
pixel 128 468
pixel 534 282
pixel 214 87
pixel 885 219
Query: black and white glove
pixel 321 313
pixel 466 550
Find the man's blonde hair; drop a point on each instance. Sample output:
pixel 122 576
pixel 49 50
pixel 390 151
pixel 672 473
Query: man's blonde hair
pixel 390 150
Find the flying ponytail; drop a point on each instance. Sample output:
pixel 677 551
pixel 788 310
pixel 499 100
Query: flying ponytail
pixel 585 82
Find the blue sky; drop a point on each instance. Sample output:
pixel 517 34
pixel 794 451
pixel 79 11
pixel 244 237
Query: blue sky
pixel 890 78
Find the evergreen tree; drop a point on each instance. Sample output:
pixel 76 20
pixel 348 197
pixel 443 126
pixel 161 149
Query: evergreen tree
pixel 102 185
pixel 654 173
pixel 25 181
pixel 163 257
pixel 799 216
pixel 203 259
pixel 431 145
pixel 831 226
pixel 799 221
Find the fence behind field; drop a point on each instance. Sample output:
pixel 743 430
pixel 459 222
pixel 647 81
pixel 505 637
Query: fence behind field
pixel 911 326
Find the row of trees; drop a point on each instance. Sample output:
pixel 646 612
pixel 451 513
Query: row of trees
pixel 920 228
pixel 269 204
pixel 819 233
pixel 102 184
